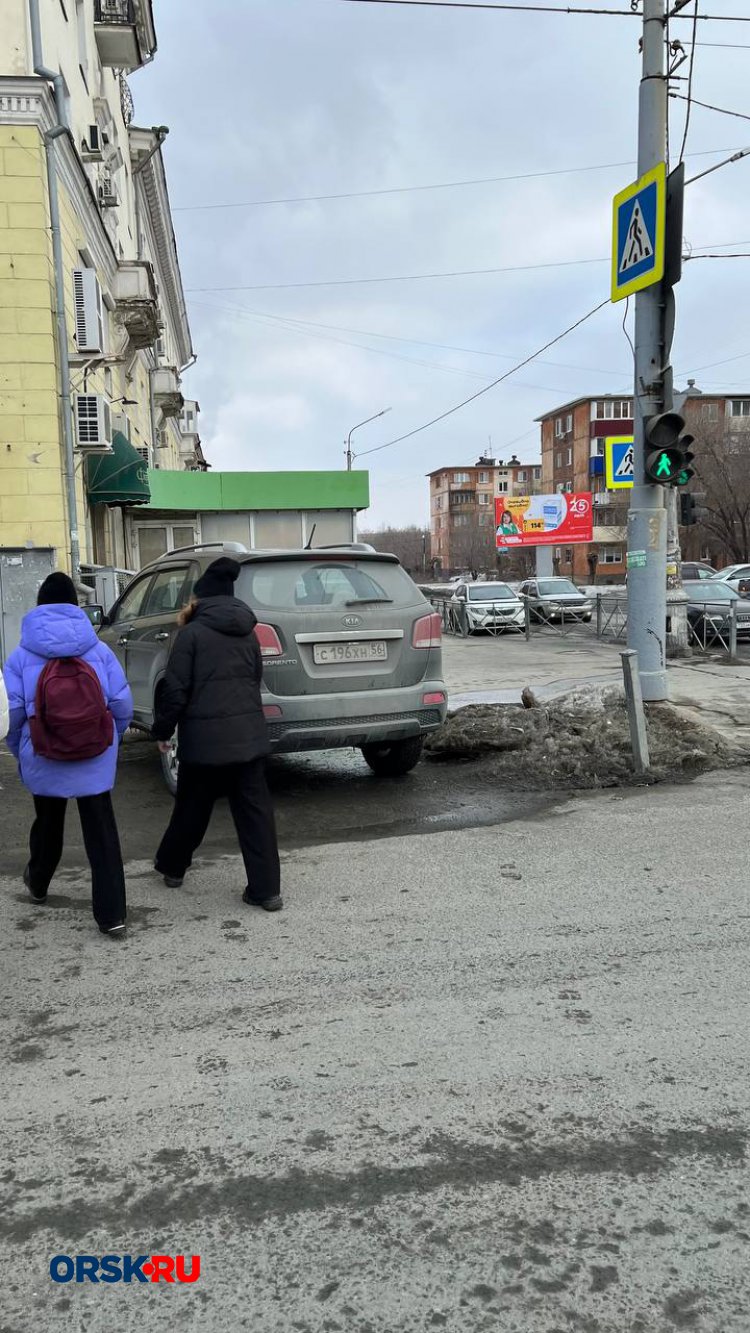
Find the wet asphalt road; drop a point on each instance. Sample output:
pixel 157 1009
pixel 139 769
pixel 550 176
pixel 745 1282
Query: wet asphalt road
pixel 472 1082
pixel 320 798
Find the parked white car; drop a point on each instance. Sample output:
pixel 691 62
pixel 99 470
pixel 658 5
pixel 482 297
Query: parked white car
pixel 490 606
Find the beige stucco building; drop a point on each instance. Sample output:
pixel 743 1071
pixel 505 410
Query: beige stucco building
pixel 94 337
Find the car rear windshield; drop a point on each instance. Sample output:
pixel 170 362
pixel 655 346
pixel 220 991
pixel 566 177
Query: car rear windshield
pixel 312 585
pixel 712 592
pixel 556 587
pixel 488 592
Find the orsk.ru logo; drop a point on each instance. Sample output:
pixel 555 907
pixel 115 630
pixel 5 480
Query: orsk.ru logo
pixel 125 1268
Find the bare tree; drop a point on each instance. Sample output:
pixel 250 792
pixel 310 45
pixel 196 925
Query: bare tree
pixel 411 545
pixel 473 545
pixel 722 467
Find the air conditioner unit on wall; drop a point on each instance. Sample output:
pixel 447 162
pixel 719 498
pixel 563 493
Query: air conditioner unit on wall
pixel 121 422
pixel 89 311
pixel 93 423
pixel 108 197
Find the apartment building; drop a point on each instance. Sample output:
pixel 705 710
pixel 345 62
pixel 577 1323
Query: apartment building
pixel 462 509
pixel 94 336
pixel 572 444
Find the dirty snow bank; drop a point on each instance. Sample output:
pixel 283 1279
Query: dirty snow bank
pixel 581 740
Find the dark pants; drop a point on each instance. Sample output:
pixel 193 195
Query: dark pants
pixel 199 786
pixel 102 843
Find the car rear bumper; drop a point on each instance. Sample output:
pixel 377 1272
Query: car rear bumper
pixel 315 722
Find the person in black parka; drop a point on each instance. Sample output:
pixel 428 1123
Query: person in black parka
pixel 212 693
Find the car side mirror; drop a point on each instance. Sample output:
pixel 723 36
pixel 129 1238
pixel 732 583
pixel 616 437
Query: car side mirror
pixel 96 615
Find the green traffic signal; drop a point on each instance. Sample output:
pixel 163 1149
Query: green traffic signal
pixel 664 466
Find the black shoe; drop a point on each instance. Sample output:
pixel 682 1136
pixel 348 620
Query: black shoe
pixel 116 930
pixel 171 881
pixel 36 897
pixel 274 904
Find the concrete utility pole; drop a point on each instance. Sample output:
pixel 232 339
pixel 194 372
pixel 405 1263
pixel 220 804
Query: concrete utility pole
pixel 647 518
pixel 366 422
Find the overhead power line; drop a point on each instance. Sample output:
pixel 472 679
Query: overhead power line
pixel 691 68
pixel 421 277
pixel 538 9
pixel 513 370
pixel 416 189
pixel 722 110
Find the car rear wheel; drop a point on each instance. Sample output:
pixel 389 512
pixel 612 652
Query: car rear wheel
pixel 170 766
pixel 391 759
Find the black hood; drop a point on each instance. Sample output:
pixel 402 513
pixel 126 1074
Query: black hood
pixel 226 615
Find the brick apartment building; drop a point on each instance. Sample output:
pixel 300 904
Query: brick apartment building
pixel 462 509
pixel 572 441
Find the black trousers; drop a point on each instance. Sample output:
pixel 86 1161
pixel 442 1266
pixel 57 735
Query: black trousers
pixel 199 786
pixel 102 843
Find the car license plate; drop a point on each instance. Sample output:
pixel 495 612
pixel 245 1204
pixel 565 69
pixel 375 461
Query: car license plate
pixel 330 654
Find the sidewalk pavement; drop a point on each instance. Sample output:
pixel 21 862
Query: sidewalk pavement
pixel 495 670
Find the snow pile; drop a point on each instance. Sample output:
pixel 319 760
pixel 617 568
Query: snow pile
pixel 579 741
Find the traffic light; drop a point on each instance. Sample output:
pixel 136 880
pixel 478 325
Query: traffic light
pixel 668 455
pixel 687 510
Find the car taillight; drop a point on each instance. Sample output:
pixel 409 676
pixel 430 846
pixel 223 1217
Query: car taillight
pixel 272 710
pixel 428 632
pixel 435 697
pixel 270 643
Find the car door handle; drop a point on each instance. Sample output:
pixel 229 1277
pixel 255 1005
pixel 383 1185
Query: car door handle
pixel 159 638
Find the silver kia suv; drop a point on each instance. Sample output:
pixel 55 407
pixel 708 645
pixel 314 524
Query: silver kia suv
pixel 351 648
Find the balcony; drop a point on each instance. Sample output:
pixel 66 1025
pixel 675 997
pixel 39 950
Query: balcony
pixel 125 35
pixel 136 304
pixel 166 390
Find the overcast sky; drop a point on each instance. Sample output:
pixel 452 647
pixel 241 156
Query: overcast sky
pixel 272 99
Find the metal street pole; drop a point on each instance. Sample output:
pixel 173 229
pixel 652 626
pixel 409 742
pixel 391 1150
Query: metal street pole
pixel 647 518
pixel 349 454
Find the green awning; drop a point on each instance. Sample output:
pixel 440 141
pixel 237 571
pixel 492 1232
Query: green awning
pixel 119 478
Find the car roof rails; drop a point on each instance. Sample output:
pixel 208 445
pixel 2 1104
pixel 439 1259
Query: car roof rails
pixel 235 547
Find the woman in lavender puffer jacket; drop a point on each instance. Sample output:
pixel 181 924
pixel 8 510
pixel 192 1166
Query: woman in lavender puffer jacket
pixel 58 628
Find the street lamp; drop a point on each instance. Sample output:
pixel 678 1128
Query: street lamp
pixel 349 454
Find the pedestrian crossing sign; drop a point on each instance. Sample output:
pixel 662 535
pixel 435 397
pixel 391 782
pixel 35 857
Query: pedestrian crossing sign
pixel 638 234
pixel 618 462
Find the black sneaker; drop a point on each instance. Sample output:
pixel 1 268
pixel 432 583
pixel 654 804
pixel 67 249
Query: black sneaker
pixel 171 881
pixel 274 904
pixel 116 930
pixel 35 897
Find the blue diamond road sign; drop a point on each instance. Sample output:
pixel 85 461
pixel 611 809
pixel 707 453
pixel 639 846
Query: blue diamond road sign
pixel 638 234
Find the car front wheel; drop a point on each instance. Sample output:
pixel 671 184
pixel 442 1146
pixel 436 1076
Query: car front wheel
pixel 170 766
pixel 391 759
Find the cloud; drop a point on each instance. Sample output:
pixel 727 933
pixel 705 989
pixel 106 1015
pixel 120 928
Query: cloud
pixel 282 98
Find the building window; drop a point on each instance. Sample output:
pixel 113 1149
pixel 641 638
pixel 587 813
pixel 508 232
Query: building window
pixel 459 478
pixel 569 457
pixel 537 474
pixel 568 555
pixel 739 407
pixel 558 428
pixel 502 487
pixel 610 555
pixel 438 501
pixel 558 460
pixel 614 409
pixel 521 476
pixel 460 520
pixel 569 423
pixel 710 411
pixel 484 478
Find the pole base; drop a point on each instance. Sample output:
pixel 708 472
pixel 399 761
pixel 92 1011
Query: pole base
pixel 654 686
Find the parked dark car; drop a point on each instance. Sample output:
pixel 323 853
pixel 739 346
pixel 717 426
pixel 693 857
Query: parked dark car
pixel 692 570
pixel 709 611
pixel 555 599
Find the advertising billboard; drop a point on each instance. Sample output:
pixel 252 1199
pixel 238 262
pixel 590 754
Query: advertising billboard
pixel 543 520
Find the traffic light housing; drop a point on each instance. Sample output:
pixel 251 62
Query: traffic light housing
pixel 667 450
pixel 687 510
